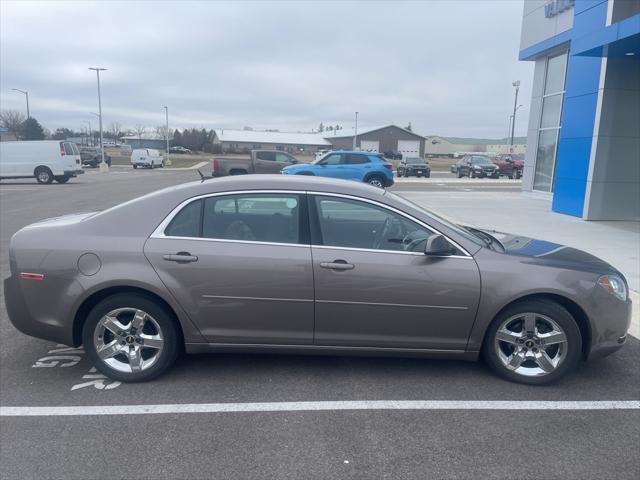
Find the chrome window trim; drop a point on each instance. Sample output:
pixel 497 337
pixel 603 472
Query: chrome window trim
pixel 159 230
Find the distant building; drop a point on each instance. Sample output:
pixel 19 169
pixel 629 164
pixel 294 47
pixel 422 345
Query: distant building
pixel 449 146
pixel 6 135
pixel 380 139
pixel 146 140
pixel 240 141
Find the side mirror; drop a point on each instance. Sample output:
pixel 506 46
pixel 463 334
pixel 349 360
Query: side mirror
pixel 437 245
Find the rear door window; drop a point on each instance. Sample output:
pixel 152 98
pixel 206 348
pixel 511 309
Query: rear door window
pixel 253 217
pixel 356 158
pixel 269 156
pixel 68 148
pixel 187 222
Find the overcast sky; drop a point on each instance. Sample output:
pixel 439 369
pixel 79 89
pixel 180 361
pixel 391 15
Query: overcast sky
pixel 445 66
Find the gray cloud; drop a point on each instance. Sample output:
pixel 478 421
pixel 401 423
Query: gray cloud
pixel 444 66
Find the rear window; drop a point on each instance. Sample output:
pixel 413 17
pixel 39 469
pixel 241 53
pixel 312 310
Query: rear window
pixel 355 158
pixel 187 222
pixel 68 148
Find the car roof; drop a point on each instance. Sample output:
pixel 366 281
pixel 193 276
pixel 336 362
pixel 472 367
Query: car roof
pixel 364 152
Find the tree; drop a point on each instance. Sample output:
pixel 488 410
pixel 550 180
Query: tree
pixel 177 138
pixel 12 121
pixel 161 131
pixel 320 128
pixel 247 128
pixel 140 130
pixel 115 130
pixel 31 130
pixel 62 134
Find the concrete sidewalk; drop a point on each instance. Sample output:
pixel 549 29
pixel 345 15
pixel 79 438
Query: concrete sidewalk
pixel 615 242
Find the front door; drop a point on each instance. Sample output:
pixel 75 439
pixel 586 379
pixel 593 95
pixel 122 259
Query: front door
pixel 375 287
pixel 240 266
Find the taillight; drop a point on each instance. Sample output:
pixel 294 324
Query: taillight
pixel 62 151
pixel 389 166
pixel 216 165
pixel 32 276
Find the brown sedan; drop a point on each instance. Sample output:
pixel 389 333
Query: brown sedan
pixel 302 264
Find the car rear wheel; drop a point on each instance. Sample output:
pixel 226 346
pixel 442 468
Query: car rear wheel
pixel 534 342
pixel 459 174
pixel 44 175
pixel 376 181
pixel 135 166
pixel 130 338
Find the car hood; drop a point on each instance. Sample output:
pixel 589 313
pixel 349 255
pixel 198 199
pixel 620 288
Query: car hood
pixel 296 168
pixel 552 254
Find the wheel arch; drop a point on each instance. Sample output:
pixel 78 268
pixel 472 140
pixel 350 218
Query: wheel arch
pixel 576 311
pixel 96 297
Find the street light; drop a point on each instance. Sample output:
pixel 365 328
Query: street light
pixel 26 94
pixel 355 136
pixel 510 119
pixel 103 166
pixel 166 111
pixel 515 108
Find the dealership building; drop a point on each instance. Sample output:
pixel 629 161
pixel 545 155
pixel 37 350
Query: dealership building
pixel 583 139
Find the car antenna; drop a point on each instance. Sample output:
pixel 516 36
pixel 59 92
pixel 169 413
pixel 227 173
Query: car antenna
pixel 201 175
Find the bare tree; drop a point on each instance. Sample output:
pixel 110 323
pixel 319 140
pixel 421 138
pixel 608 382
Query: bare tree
pixel 12 120
pixel 115 129
pixel 161 131
pixel 140 130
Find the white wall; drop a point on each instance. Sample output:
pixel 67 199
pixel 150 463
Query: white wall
pixel 536 27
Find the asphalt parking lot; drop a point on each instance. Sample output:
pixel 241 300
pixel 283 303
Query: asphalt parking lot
pixel 473 438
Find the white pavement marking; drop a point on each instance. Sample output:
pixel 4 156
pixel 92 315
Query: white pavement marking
pixel 317 406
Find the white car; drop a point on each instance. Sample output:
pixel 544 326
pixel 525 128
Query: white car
pixel 46 160
pixel 146 157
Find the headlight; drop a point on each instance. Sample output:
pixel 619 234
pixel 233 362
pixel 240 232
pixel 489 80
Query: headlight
pixel 614 285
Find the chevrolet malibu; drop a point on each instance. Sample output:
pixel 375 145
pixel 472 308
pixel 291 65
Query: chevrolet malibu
pixel 307 265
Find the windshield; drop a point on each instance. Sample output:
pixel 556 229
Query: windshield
pixel 481 160
pixel 414 160
pixel 447 222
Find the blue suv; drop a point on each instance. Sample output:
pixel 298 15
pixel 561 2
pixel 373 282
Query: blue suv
pixel 349 165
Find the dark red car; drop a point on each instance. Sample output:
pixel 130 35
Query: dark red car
pixel 510 165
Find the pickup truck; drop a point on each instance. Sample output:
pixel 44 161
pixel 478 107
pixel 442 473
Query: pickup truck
pixel 259 161
pixel 510 165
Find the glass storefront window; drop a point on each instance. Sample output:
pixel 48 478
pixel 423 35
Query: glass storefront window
pixel 551 107
pixel 550 118
pixel 556 69
pixel 545 159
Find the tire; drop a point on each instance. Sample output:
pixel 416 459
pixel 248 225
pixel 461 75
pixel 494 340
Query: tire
pixel 549 318
pixel 43 175
pixel 152 166
pixel 518 174
pixel 162 164
pixel 62 179
pixel 160 328
pixel 428 175
pixel 135 166
pixel 472 174
pixel 375 181
pixel 306 173
pixel 459 173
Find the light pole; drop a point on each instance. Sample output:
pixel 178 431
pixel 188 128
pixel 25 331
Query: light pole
pixel 515 108
pixel 511 117
pixel 103 166
pixel 26 94
pixel 355 136
pixel 166 112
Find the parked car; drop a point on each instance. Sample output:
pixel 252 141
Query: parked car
pixel 414 166
pixel 510 165
pixel 475 166
pixel 46 160
pixel 393 154
pixel 146 157
pixel 92 156
pixel 273 262
pixel 178 149
pixel 258 161
pixel 360 166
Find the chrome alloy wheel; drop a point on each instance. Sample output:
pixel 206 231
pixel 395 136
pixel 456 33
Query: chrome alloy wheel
pixel 376 182
pixel 530 344
pixel 128 340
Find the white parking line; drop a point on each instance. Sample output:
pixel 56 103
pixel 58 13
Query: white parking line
pixel 317 406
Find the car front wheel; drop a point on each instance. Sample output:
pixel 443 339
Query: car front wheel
pixel 533 342
pixel 130 338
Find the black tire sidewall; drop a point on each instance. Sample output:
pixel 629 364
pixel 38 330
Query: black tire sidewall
pixel 559 315
pixel 164 319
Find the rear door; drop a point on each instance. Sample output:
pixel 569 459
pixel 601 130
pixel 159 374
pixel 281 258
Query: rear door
pixel 240 266
pixel 356 165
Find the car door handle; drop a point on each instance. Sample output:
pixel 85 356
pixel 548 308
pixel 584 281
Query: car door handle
pixel 180 257
pixel 338 265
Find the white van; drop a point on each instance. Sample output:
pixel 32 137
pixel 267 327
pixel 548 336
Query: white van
pixel 46 160
pixel 146 157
